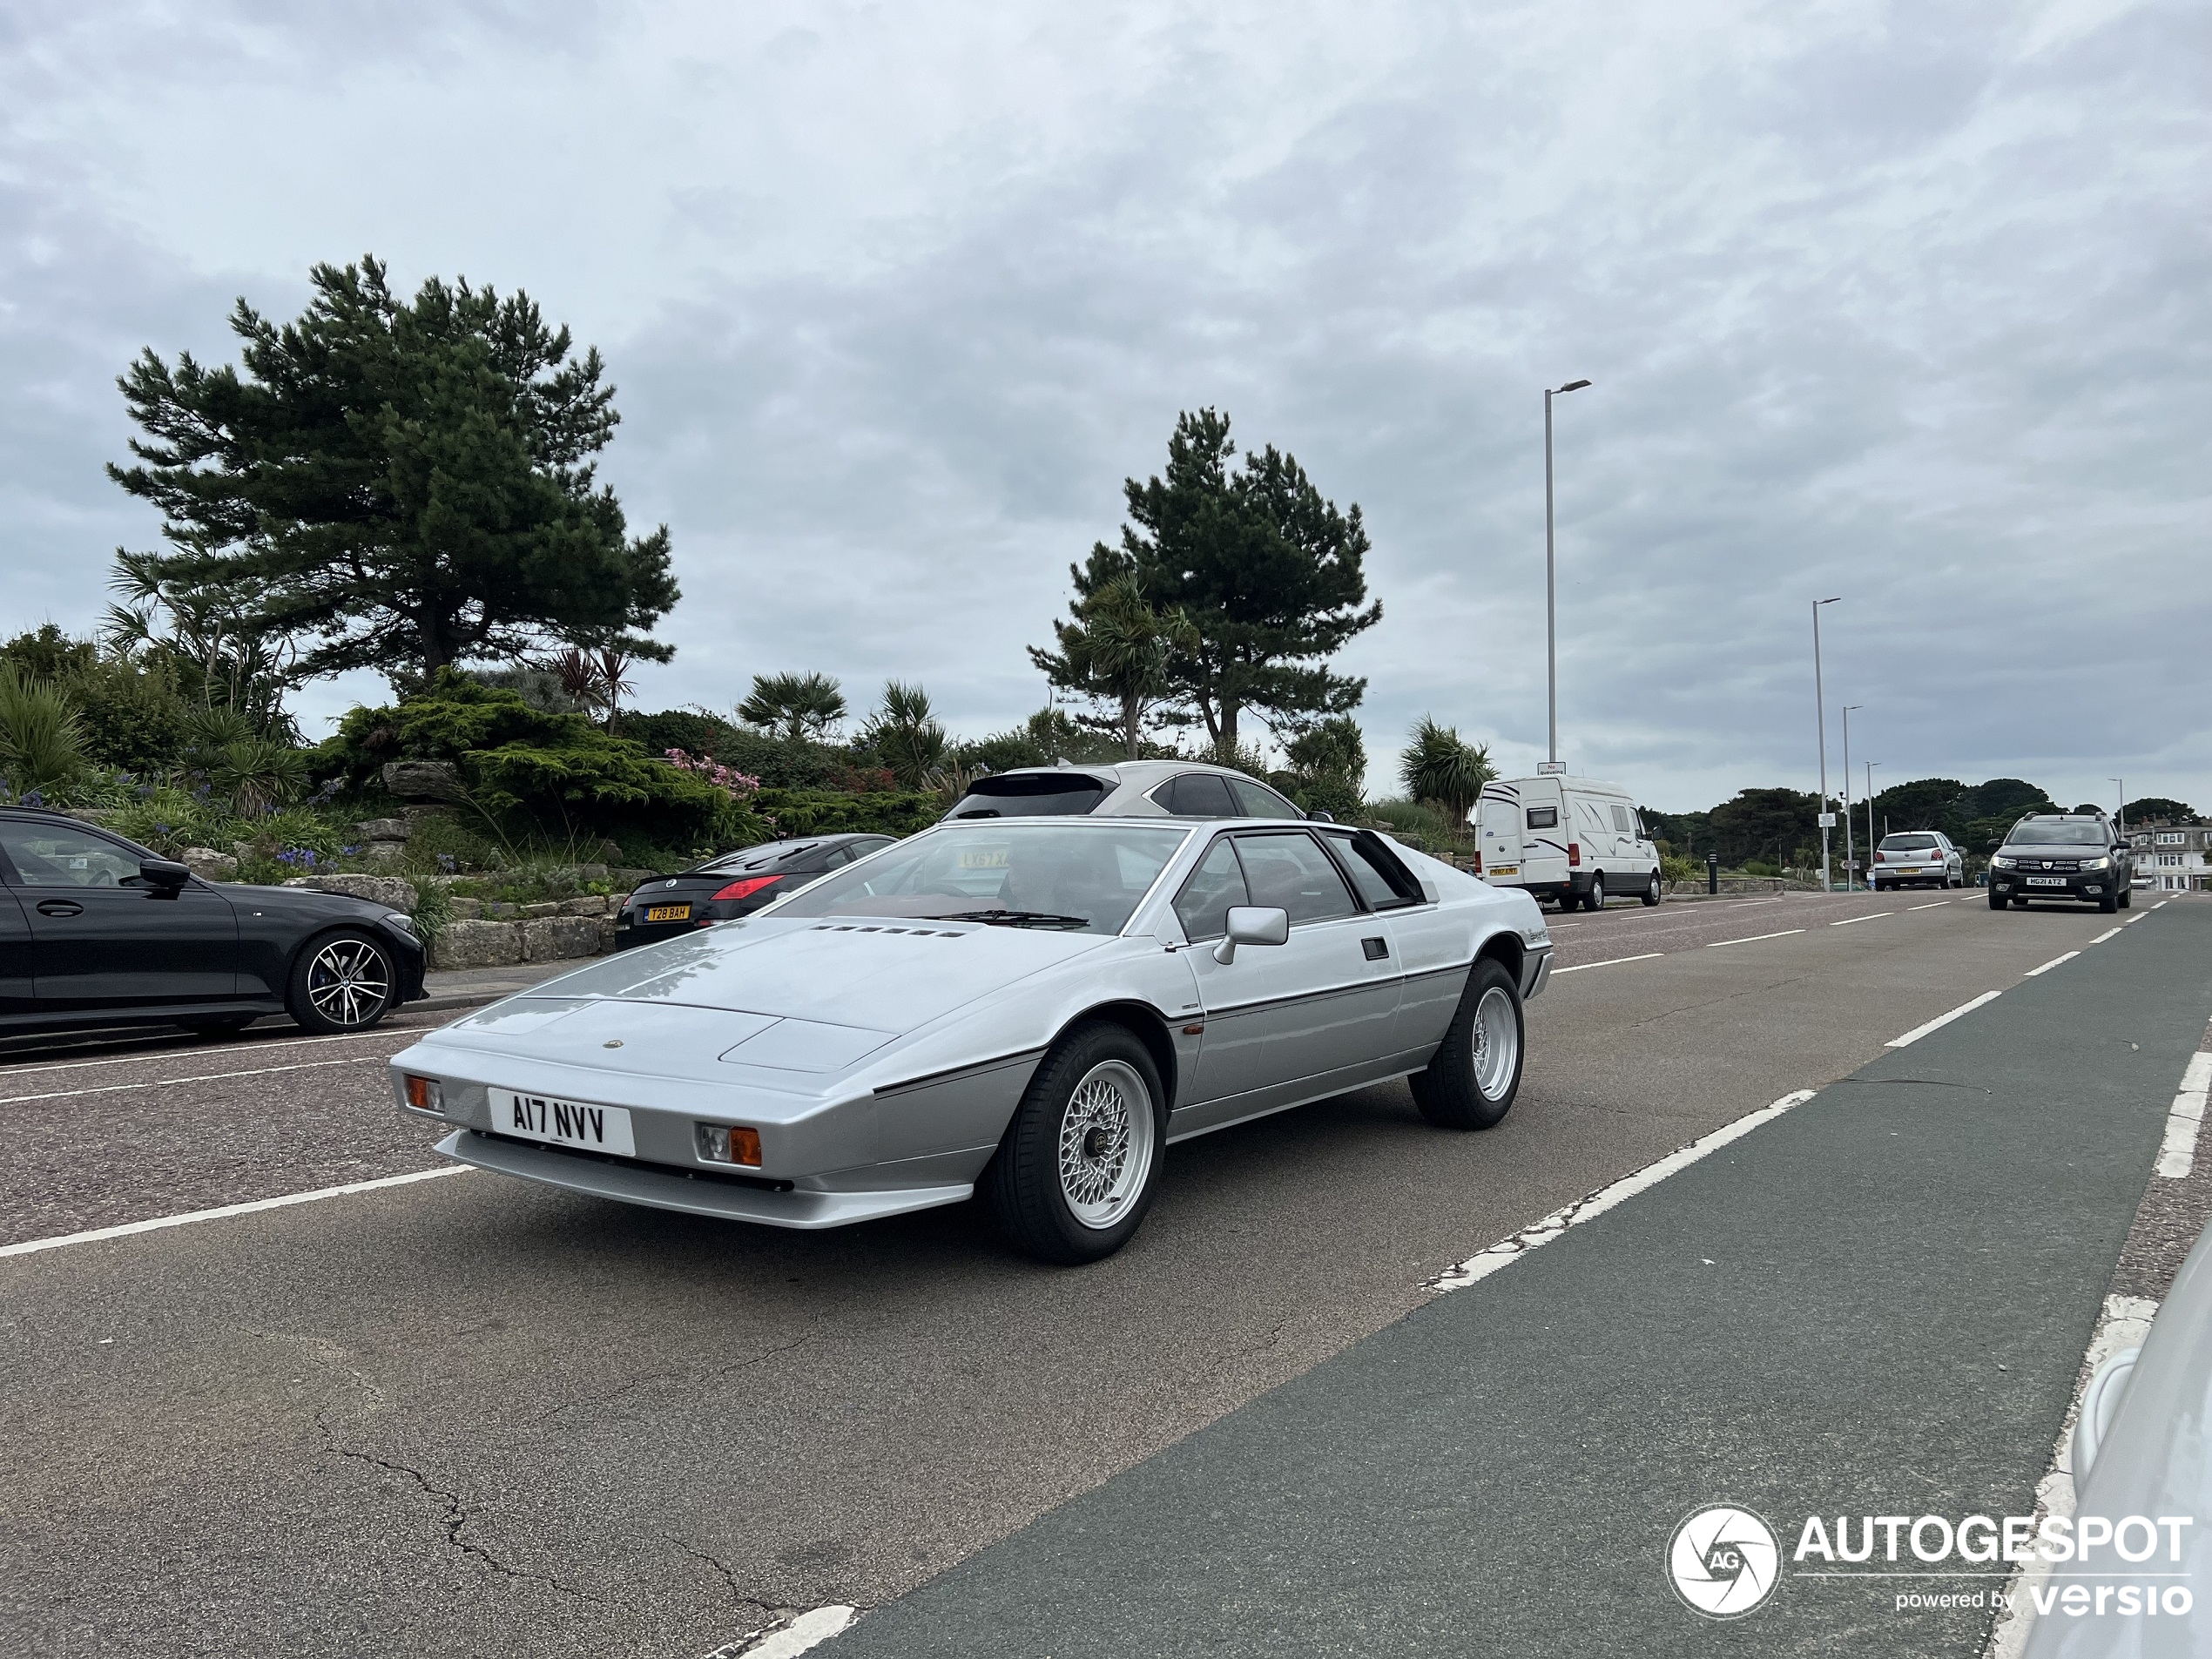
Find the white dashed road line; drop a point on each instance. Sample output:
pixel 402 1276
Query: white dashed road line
pixel 810 1628
pixel 1611 962
pixel 30 1246
pixel 1754 939
pixel 2053 963
pixel 1508 1251
pixel 206 1078
pixel 1931 906
pixel 1941 1020
pixel 2177 1156
pixel 1874 915
pixel 2110 932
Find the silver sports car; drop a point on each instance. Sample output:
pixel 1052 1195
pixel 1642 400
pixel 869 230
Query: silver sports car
pixel 1035 1007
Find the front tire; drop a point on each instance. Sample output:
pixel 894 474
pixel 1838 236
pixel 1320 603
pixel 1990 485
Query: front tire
pixel 2127 898
pixel 1996 900
pixel 1075 1174
pixel 1472 1081
pixel 343 982
pixel 1651 890
pixel 2109 902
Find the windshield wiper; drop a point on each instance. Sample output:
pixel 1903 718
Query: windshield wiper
pixel 1019 919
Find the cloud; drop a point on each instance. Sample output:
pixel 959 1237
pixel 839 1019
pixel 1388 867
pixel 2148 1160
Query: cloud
pixel 1906 304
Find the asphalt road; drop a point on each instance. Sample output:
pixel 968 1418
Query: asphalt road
pixel 468 1416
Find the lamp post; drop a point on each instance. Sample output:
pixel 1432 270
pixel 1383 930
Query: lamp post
pixel 1820 713
pixel 1551 582
pixel 2123 783
pixel 1850 855
pixel 1870 820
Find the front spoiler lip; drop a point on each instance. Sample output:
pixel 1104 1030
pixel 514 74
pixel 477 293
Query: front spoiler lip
pixel 669 1188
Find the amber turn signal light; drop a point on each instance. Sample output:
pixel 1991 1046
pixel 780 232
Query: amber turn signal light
pixel 424 1093
pixel 744 1147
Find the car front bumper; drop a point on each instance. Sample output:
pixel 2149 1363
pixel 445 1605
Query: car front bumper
pixel 2090 885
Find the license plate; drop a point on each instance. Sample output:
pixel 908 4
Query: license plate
pixel 668 913
pixel 562 1123
pixel 1505 869
pixel 2047 881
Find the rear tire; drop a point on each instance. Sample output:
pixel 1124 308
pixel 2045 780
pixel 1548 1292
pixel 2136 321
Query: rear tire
pixel 1073 1178
pixel 1472 1081
pixel 343 982
pixel 1651 890
pixel 1595 899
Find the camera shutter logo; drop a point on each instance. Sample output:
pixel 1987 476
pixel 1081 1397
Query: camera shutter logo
pixel 1723 1561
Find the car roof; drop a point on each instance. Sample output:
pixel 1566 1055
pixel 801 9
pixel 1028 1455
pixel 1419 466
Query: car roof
pixel 1125 772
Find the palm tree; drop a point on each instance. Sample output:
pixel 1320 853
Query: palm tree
pixel 1116 651
pixel 796 706
pixel 1440 767
pixel 907 734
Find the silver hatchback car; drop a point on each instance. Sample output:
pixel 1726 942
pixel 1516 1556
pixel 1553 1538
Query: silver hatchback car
pixel 1917 857
pixel 1123 789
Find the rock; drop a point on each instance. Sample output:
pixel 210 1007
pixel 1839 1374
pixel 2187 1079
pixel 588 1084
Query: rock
pixel 498 910
pixel 384 852
pixel 532 911
pixel 555 939
pixel 591 905
pixel 377 889
pixel 478 944
pixel 629 879
pixel 606 925
pixel 468 909
pixel 413 780
pixel 382 829
pixel 209 865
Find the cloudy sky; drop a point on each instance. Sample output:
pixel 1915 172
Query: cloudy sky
pixel 1908 303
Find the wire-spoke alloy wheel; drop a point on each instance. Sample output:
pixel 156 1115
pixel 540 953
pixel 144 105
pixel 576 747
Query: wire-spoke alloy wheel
pixel 1076 1173
pixel 1472 1081
pixel 1106 1144
pixel 345 983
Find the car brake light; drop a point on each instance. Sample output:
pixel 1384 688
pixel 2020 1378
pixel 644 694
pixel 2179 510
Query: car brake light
pixel 1477 865
pixel 1574 855
pixel 747 888
pixel 1880 857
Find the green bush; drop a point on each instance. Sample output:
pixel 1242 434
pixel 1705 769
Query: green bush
pixel 41 743
pixel 536 777
pixel 1760 867
pixel 812 812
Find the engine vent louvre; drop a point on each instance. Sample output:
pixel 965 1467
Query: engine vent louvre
pixel 879 927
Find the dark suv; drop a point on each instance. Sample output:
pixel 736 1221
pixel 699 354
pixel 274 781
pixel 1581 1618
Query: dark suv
pixel 2077 856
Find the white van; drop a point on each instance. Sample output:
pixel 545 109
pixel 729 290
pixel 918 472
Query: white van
pixel 1568 839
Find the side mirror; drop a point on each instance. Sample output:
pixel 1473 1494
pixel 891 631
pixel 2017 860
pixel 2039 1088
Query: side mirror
pixel 1322 815
pixel 1251 924
pixel 162 873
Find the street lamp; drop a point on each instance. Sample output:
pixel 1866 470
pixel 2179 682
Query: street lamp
pixel 1870 820
pixel 1820 713
pixel 1850 855
pixel 2123 783
pixel 1551 583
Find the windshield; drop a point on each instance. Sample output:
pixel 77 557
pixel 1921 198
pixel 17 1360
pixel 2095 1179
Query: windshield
pixel 1907 843
pixel 2080 833
pixel 1076 877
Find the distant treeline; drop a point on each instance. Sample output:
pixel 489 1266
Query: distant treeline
pixel 1782 827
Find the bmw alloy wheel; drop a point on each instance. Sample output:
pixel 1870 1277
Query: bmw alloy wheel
pixel 349 982
pixel 1106 1144
pixel 1497 1042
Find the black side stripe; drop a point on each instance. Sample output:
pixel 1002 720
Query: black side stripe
pixel 951 1073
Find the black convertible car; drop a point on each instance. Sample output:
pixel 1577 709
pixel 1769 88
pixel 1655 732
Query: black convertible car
pixel 736 884
pixel 97 931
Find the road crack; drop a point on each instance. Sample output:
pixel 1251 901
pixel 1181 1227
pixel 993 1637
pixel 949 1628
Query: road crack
pixel 456 1518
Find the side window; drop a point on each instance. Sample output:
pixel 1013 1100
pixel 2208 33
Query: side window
pixel 1218 883
pixel 1380 885
pixel 1287 869
pixel 838 858
pixel 45 856
pixel 1255 800
pixel 1620 826
pixel 1197 794
pixel 1543 817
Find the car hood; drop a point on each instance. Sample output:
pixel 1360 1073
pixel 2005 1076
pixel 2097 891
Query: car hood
pixel 2069 849
pixel 890 977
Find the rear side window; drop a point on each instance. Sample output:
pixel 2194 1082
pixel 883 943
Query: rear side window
pixel 1218 883
pixel 1031 794
pixel 1197 794
pixel 1543 817
pixel 1286 869
pixel 1256 800
pixel 1382 881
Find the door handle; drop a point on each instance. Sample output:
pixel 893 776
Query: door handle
pixel 60 907
pixel 1376 949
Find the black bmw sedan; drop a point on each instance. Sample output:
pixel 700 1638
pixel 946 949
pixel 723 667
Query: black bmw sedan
pixel 97 931
pixel 736 884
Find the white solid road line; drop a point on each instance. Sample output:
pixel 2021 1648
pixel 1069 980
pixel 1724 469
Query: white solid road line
pixel 1611 962
pixel 1508 1251
pixel 2110 932
pixel 1754 939
pixel 2053 963
pixel 1871 915
pixel 410 1034
pixel 1941 1020
pixel 2177 1156
pixel 809 1630
pixel 208 1077
pixel 222 1212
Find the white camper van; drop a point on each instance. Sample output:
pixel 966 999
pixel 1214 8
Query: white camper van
pixel 1568 839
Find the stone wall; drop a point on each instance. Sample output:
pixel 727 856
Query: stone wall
pixel 484 933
